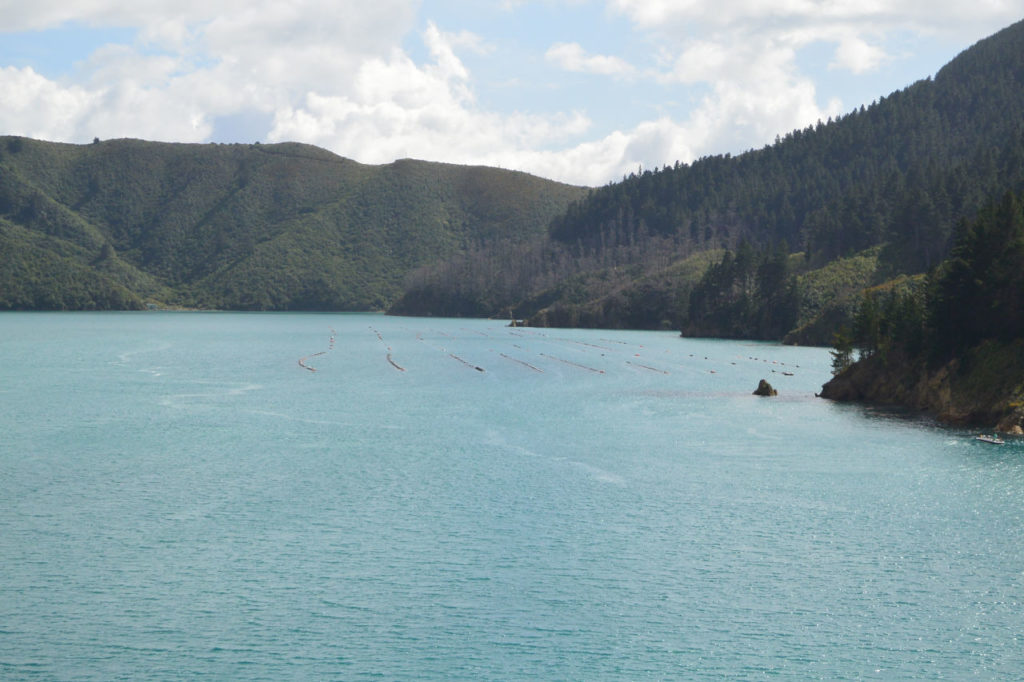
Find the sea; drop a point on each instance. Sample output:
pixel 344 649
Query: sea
pixel 290 496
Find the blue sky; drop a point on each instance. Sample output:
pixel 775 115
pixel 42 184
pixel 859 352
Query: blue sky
pixel 582 91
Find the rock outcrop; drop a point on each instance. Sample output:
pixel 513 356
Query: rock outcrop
pixel 982 389
pixel 765 389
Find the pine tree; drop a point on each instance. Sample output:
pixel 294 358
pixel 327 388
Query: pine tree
pixel 842 351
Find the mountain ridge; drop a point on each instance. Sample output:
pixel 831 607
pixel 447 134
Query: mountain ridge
pixel 252 227
pixel 896 176
pixel 725 246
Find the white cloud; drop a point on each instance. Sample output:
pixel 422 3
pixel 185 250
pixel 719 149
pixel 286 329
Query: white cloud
pixel 649 145
pixel 36 107
pixel 195 61
pixel 331 74
pixel 745 52
pixel 469 41
pixel 397 108
pixel 572 57
pixel 916 15
pixel 448 66
pixel 43 14
pixel 335 73
pixel 857 56
pixel 756 91
pixel 857 28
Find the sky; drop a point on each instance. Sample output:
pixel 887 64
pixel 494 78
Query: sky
pixel 582 91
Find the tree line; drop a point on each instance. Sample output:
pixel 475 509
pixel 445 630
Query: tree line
pixel 899 174
pixel 975 295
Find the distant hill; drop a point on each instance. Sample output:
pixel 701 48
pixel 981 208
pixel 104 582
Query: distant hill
pixel 881 188
pixel 120 224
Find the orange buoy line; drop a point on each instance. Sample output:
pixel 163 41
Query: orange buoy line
pixel 453 356
pixel 535 369
pixel 387 354
pixel 330 346
pixel 584 343
pixel 653 369
pixel 467 364
pixel 589 369
pixel 302 361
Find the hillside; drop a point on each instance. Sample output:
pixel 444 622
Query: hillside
pixel 892 180
pixel 121 223
pixel 955 346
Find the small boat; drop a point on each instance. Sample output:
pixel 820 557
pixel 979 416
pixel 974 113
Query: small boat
pixel 995 440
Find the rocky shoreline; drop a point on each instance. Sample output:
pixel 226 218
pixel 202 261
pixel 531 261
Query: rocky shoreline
pixel 983 389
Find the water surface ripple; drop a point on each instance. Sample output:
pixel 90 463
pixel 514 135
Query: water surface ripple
pixel 453 499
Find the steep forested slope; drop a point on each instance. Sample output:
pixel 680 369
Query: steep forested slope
pixel 897 174
pixel 954 346
pixel 117 223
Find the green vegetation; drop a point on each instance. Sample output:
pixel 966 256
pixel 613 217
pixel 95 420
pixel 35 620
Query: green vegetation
pixel 751 293
pixel 829 295
pixel 868 197
pixel 952 342
pixel 842 351
pixel 974 296
pixel 38 274
pixel 622 297
pixel 122 223
pixel 777 243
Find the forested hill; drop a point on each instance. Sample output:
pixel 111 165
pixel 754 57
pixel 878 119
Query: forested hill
pixel 954 347
pixel 122 223
pixel 885 183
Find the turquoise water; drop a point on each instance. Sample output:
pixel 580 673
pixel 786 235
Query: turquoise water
pixel 180 498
